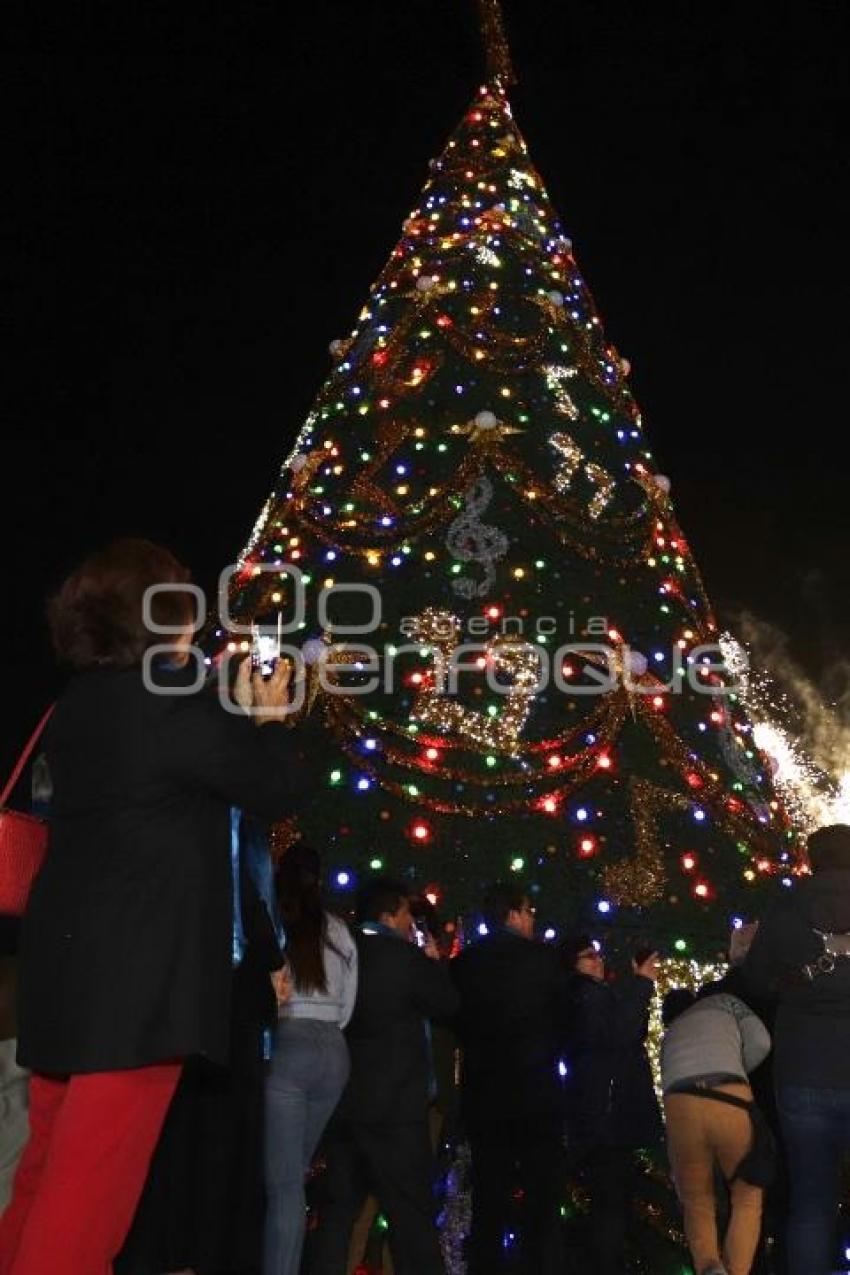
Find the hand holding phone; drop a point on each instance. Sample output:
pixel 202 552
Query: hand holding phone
pixel 424 938
pixel 645 962
pixel 419 931
pixel 265 651
pixel 266 699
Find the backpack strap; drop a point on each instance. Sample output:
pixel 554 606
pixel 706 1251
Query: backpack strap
pixel 835 946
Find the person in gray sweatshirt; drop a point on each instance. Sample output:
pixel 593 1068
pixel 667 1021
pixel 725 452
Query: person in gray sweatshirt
pixel 707 1054
pixel 310 1063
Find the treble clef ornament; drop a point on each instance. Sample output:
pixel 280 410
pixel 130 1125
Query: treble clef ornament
pixel 470 540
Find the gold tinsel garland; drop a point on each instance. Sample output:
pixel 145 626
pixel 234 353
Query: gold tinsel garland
pixel 580 774
pixel 347 534
pixel 730 813
pixel 440 631
pixel 640 880
pixel 350 720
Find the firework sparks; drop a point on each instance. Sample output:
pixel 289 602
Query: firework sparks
pixel 804 740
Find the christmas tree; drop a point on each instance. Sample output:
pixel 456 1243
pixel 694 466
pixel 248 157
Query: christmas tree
pixel 531 684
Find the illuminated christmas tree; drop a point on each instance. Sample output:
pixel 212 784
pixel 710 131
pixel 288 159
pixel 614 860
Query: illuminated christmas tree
pixel 477 457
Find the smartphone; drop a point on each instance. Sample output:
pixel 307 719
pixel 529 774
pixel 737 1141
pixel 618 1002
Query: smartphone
pixel 420 931
pixel 265 651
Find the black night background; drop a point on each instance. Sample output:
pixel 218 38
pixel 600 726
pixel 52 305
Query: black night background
pixel 201 195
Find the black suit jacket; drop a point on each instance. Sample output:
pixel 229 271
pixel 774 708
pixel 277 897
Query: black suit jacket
pixel 126 945
pixel 510 1025
pixel 398 989
pixel 610 1094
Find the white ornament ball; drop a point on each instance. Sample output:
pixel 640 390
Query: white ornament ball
pixel 314 650
pixel 637 663
pixel 625 366
pixel 557 298
pixel 336 348
pixel 486 420
pixel 663 483
pixel 425 283
pixel 299 460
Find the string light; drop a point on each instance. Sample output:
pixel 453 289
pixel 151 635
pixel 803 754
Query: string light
pixel 495 367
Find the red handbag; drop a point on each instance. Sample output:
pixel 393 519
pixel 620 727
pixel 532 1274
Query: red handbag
pixel 23 839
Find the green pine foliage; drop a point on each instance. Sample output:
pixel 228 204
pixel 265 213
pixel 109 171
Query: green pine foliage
pixel 476 455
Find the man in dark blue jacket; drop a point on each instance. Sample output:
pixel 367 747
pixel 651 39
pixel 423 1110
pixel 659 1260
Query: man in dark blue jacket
pixel 379 1140
pixel 611 1104
pixel 800 960
pixel 512 1000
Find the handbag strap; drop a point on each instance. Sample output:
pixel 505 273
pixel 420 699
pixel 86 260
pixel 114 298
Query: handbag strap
pixel 24 757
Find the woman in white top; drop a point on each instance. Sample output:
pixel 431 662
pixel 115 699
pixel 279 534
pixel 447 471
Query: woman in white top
pixel 706 1055
pixel 310 1064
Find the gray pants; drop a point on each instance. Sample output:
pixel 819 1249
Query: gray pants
pixel 307 1076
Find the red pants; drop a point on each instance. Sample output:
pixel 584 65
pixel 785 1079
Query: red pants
pixel 83 1170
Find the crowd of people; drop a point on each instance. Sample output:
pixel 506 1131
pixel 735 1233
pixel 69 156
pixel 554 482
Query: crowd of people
pixel 194 1029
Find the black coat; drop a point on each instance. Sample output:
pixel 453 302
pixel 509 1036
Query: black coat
pixel 126 945
pixel 204 1198
pixel 812 1026
pixel 398 989
pixel 511 1028
pixel 610 1095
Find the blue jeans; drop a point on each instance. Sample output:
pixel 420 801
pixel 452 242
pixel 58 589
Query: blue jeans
pixel 307 1076
pixel 816 1130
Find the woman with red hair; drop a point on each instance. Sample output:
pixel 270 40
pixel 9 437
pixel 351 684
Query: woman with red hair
pixel 126 945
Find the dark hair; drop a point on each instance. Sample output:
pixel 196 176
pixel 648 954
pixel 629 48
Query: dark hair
pixel 501 898
pixel 829 848
pixel 676 1001
pixel 300 903
pixel 570 947
pixel 97 616
pixel 378 895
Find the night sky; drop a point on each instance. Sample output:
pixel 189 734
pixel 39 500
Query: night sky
pixel 203 195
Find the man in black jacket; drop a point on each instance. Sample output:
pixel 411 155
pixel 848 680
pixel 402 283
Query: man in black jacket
pixel 379 1137
pixel 800 959
pixel 611 1104
pixel 511 991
